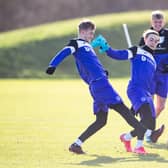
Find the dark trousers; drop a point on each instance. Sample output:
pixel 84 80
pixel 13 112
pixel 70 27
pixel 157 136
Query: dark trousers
pixel 101 120
pixel 147 119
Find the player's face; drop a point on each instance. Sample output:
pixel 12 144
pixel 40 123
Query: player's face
pixel 157 24
pixel 152 41
pixel 88 34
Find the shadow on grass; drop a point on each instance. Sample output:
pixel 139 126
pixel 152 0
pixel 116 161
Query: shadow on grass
pixel 160 146
pixel 99 160
pixel 153 157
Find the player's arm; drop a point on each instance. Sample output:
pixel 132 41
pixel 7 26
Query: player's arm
pixel 102 43
pixel 122 54
pixel 60 56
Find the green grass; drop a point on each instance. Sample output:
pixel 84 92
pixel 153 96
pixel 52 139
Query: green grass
pixel 27 52
pixel 39 119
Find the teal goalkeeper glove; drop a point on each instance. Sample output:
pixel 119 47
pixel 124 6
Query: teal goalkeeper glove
pixel 101 42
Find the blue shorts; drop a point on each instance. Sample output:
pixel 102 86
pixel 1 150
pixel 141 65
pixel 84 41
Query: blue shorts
pixel 160 85
pixel 103 95
pixel 138 97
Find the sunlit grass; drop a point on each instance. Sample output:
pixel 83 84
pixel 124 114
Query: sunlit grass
pixel 41 118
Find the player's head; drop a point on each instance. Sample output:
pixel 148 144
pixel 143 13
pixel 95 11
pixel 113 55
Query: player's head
pixel 86 30
pixel 157 20
pixel 151 38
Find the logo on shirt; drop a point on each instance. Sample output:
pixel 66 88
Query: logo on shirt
pixel 87 49
pixel 143 58
pixel 143 99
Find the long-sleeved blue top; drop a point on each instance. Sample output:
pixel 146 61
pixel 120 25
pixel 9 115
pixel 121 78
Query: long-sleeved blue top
pixel 161 51
pixel 88 65
pixel 143 65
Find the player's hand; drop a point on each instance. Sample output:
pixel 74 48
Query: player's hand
pixel 50 70
pixel 107 73
pixel 100 42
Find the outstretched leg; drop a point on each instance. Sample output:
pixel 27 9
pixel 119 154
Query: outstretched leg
pixel 101 120
pixel 123 110
pixel 138 127
pixel 149 121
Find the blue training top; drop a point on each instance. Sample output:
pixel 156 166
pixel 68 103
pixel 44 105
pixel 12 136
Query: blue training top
pixel 161 51
pixel 143 65
pixel 89 67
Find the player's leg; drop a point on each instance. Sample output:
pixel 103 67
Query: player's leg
pixel 161 91
pixel 160 104
pixel 133 111
pixel 138 128
pixel 101 119
pixel 148 119
pixel 123 110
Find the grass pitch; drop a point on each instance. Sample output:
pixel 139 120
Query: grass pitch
pixel 39 119
pixel 27 51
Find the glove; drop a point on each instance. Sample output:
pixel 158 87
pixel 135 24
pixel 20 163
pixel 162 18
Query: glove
pixel 107 73
pixel 165 68
pixel 100 42
pixel 50 70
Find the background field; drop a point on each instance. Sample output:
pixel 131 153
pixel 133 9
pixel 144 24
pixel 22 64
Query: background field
pixel 25 53
pixel 39 119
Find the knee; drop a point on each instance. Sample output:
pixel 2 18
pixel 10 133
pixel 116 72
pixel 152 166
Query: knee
pixel 102 123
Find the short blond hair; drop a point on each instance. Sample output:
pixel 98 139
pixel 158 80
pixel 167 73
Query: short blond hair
pixel 150 31
pixel 157 15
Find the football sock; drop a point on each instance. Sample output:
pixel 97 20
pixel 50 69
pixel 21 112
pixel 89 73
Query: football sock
pixel 148 132
pixel 128 137
pixel 139 143
pixel 78 142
